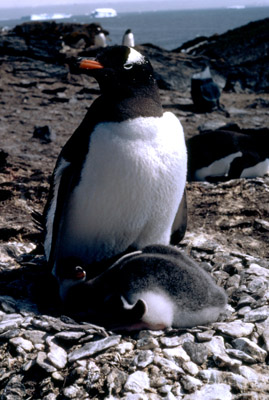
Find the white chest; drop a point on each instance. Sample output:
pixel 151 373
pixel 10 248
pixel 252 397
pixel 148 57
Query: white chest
pixel 131 184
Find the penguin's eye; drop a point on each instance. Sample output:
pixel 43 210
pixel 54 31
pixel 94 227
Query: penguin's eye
pixel 128 66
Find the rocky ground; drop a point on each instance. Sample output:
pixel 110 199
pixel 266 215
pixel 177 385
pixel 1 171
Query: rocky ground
pixel 47 355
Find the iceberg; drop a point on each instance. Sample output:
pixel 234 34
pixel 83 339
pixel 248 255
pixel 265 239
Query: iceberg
pixel 235 7
pixel 104 13
pixel 45 17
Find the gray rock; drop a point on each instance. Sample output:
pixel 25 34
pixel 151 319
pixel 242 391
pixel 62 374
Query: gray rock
pixel 251 348
pixel 94 347
pixel 42 325
pixel 190 367
pixel 14 389
pixel 36 337
pixel 258 285
pixel 7 325
pixel 241 355
pixel 167 364
pixel 57 356
pixel 42 361
pixel 236 381
pixel 147 343
pixel 258 314
pixel 94 373
pixel 125 347
pixel 245 300
pixel 143 358
pixel 223 360
pixel 157 381
pixel 205 336
pixel 134 396
pixel 216 345
pixel 21 344
pixel 256 380
pixel 73 392
pixel 198 352
pixel 176 353
pixel 256 269
pixel 216 391
pixel 235 328
pixel 173 341
pixel 190 384
pixel 6 335
pixel 137 382
pixel 69 336
pixel 116 379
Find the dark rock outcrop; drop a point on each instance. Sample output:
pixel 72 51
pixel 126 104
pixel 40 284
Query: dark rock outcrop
pixel 240 55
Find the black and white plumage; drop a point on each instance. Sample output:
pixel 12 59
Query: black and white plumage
pixel 205 92
pixel 119 180
pixel 228 154
pixel 155 288
pixel 128 38
pixel 100 39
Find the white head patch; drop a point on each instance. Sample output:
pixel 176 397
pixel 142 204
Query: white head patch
pixel 135 57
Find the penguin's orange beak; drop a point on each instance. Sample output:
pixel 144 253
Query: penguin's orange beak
pixel 90 64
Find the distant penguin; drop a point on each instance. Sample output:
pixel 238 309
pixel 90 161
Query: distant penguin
pixel 128 38
pixel 155 288
pixel 119 181
pixel 224 154
pixel 100 38
pixel 205 92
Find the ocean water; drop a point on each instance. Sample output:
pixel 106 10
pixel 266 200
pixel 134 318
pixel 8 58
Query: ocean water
pixel 166 29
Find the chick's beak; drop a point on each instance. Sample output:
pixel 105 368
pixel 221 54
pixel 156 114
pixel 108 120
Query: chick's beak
pixel 90 64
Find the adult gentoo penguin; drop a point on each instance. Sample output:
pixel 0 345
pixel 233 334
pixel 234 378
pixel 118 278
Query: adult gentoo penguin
pixel 128 38
pixel 155 288
pixel 228 153
pixel 119 180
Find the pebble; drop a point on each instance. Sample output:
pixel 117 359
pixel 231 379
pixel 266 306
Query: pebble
pixel 147 343
pixel 189 383
pixel 241 355
pixel 36 337
pixel 137 382
pixel 21 343
pixel 198 352
pixel 251 348
pixel 215 391
pixel 235 328
pixel 236 381
pixel 176 353
pixel 258 314
pixel 190 367
pixel 57 356
pixel 42 361
pixel 72 392
pixel 92 348
pixel 173 341
pixel 143 358
pixel 167 364
pixel 205 336
pixel 69 336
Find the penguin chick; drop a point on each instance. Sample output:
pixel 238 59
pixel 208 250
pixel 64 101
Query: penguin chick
pixel 120 178
pixel 156 288
pixel 128 38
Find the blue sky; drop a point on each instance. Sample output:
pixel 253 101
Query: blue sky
pixel 154 3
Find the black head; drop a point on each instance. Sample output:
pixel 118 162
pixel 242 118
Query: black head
pixel 119 67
